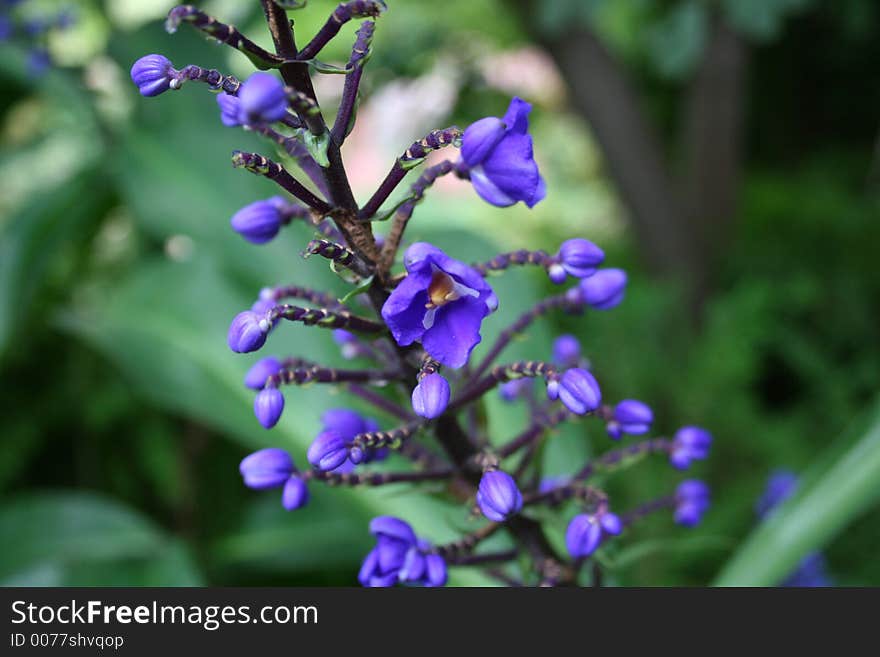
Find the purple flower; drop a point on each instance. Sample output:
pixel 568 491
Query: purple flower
pixel 630 416
pixel 441 302
pixel 255 379
pixel 689 444
pixel 267 468
pixel 261 99
pixel 247 332
pixel 498 496
pixel 781 485
pixel 691 502
pixel 577 389
pixel 497 153
pixel 513 390
pixel 152 75
pixel 295 494
pixel 268 406
pixel 272 468
pixel 577 257
pixel 229 108
pixel 330 451
pixel 38 62
pixel 431 396
pixel 260 221
pixel 585 532
pixel 604 289
pixel 399 556
pixel 566 351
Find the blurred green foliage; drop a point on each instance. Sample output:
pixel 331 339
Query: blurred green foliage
pixel 123 414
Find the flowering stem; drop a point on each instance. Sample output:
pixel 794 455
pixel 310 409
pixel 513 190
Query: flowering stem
pixel 315 374
pixel 338 255
pixel 280 28
pixel 380 402
pixel 210 76
pixel 359 53
pixel 263 166
pixel 504 260
pixel 307 294
pixel 636 514
pixel 481 559
pixel 535 430
pixel 392 439
pixel 468 542
pixel 417 152
pixel 502 374
pixel 343 13
pixel 307 109
pixel 378 478
pixel 539 309
pixel 560 494
pixel 614 457
pixel 223 33
pixel 324 318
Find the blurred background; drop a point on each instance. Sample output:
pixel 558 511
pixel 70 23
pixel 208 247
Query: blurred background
pixel 725 152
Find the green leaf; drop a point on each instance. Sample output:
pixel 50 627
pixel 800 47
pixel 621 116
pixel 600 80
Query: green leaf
pixel 74 538
pixel 827 502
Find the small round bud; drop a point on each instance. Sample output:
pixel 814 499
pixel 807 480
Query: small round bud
pixel 604 289
pixel 266 468
pixel 152 75
pixel 246 332
pixel 229 109
pixel 578 390
pixel 580 257
pixel 327 451
pixel 431 396
pixel 260 221
pixel 566 351
pixel 268 406
pixel 295 494
pixel 262 99
pixel 498 496
pixel 256 377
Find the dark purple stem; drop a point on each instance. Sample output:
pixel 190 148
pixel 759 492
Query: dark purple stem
pixel 534 431
pixel 378 478
pixel 324 318
pixel 612 458
pixel 263 166
pixel 343 13
pixel 380 402
pixel 522 257
pixel 502 374
pixel 353 81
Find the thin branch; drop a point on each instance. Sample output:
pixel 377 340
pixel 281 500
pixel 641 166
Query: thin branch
pixel 263 166
pixel 343 13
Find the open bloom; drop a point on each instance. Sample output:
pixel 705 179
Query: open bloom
pixel 441 302
pixel 400 556
pixel 497 153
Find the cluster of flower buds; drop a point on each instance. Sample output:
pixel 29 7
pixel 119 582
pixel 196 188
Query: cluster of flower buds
pixel 31 27
pixel 417 328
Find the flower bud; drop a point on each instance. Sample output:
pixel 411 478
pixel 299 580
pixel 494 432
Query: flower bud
pixel 566 351
pixel 255 379
pixel 262 99
pixel 295 494
pixel 268 406
pixel 152 75
pixel 578 390
pixel 583 536
pixel 604 289
pixel 431 396
pixel 247 332
pixel 229 110
pixel 689 444
pixel 260 221
pixel 512 390
pixel 498 496
pixel 328 451
pixel 580 257
pixel 691 502
pixel 630 416
pixel 266 468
